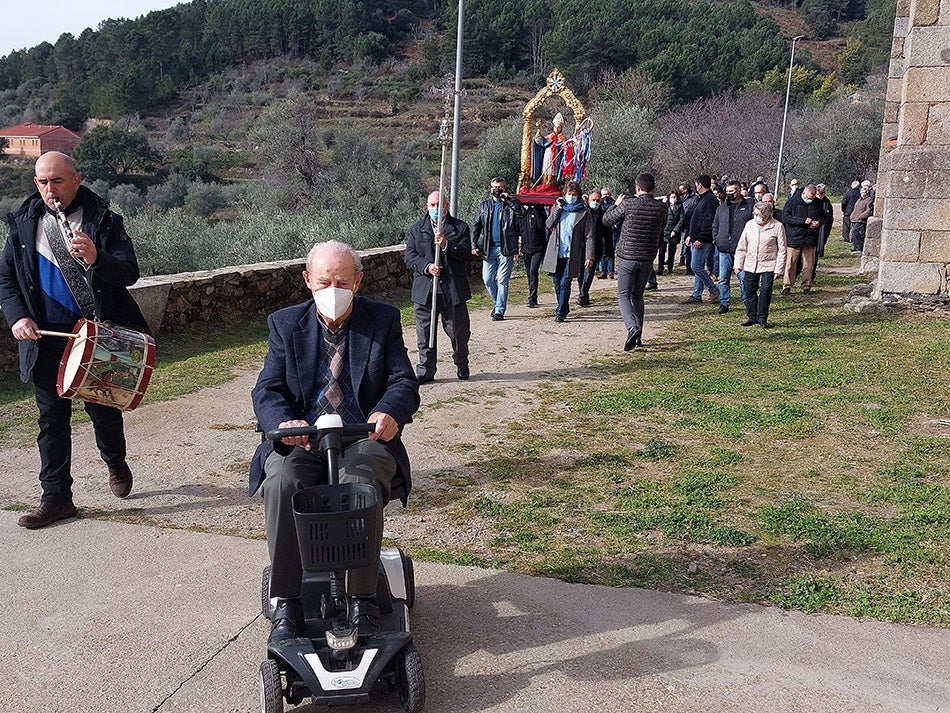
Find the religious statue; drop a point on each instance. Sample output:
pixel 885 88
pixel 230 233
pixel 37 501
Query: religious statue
pixel 548 160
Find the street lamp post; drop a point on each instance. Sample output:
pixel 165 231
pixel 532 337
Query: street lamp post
pixel 788 92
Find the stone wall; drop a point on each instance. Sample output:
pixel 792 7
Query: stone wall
pixel 908 243
pixel 229 294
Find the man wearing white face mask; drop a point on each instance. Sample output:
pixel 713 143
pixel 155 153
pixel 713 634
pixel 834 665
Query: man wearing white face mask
pixel 337 353
pixel 802 216
pixel 453 239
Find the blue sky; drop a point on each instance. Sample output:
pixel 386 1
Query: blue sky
pixel 47 20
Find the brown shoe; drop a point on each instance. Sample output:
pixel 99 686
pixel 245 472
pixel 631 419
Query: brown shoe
pixel 120 480
pixel 46 514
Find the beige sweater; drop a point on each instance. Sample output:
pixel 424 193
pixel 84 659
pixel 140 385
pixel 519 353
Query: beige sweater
pixel 761 248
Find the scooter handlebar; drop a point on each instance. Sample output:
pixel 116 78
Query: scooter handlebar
pixel 350 429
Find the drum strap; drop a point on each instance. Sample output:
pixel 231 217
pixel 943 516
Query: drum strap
pixel 73 275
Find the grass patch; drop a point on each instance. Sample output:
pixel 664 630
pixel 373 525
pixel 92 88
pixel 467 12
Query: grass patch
pixel 785 467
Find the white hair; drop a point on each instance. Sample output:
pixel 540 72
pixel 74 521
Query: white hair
pixel 335 246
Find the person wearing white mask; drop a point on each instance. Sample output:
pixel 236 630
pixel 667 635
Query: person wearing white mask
pixel 453 239
pixel 760 259
pixel 341 353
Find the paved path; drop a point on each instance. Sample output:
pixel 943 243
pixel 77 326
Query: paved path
pixel 160 613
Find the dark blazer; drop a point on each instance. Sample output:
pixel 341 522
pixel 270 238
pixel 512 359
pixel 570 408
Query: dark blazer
pixel 382 376
pixel 511 213
pixel 420 253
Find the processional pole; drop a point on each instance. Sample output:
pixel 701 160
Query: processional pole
pixel 443 139
pixel 457 118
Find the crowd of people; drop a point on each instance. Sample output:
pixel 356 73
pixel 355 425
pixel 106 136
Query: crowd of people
pixel 714 228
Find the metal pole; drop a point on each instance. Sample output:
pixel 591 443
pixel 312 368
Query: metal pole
pixel 781 145
pixel 434 313
pixel 457 119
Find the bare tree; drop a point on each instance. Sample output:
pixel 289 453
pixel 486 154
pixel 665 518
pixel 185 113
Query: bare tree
pixel 735 136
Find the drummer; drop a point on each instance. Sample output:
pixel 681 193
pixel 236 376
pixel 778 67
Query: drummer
pixel 50 278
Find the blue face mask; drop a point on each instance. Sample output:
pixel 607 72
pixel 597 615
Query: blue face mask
pixel 807 200
pixel 434 214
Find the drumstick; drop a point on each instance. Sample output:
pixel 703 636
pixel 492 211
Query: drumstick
pixel 47 333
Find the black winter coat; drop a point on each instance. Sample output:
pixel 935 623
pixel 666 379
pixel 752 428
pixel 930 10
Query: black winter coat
pixel 116 268
pixel 641 231
pixel 794 213
pixel 728 224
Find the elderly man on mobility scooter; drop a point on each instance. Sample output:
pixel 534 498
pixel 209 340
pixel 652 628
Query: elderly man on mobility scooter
pixel 346 355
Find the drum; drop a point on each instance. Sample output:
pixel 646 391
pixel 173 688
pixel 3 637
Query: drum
pixel 106 364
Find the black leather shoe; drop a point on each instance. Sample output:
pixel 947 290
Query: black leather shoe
pixel 364 615
pixel 463 372
pixel 722 309
pixel 287 621
pixel 633 339
pixel 751 321
pixel 425 378
pixel 765 325
pixel 582 302
pixel 120 480
pixel 46 514
pixel 497 316
pixel 559 318
pixel 532 305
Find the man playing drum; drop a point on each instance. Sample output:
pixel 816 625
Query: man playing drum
pixel 50 277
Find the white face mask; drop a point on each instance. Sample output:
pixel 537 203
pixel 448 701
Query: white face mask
pixel 594 205
pixel 332 302
pixel 759 219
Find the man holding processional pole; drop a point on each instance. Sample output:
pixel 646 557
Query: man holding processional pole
pixel 67 258
pixel 437 248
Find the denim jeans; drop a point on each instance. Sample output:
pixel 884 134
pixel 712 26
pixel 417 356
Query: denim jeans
pixel 632 276
pixel 496 272
pixel 758 295
pixel 562 287
pixel 701 278
pixel 726 263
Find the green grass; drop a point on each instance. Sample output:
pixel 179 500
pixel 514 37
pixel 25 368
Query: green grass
pixel 797 467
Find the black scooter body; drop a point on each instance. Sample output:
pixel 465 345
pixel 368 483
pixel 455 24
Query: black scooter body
pixel 308 666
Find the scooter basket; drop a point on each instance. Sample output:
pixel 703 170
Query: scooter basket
pixel 337 526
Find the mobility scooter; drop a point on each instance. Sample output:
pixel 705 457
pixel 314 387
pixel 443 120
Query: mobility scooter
pixel 334 663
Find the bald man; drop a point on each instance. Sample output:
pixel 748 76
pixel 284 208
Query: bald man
pixel 49 279
pixel 453 239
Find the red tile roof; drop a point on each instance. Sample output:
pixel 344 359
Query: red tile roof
pixel 37 130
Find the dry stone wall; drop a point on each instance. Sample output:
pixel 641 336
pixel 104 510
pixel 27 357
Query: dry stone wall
pixel 229 294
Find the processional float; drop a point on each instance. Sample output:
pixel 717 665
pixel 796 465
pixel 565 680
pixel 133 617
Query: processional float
pixel 550 160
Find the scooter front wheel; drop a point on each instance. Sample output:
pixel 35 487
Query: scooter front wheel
pixel 272 695
pixel 410 681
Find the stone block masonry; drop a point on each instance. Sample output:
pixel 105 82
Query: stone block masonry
pixel 909 236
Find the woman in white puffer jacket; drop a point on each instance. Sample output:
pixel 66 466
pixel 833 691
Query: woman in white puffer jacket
pixel 760 259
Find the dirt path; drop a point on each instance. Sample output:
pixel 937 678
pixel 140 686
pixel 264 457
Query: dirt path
pixel 190 455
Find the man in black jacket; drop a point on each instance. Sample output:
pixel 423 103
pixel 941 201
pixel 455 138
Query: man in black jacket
pixel 802 215
pixel 700 240
pixel 727 226
pixel 48 281
pixel 495 240
pixel 641 232
pixel 848 200
pixel 534 240
pixel 454 291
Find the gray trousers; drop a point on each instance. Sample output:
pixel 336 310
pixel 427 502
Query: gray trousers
pixel 365 461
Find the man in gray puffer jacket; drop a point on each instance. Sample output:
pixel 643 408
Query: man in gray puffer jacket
pixel 641 232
